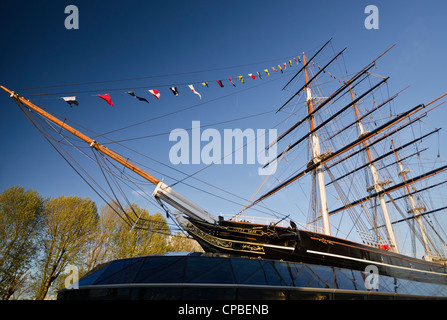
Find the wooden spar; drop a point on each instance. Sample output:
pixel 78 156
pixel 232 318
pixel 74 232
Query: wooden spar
pixel 309 101
pixel 415 210
pixel 377 185
pixel 412 217
pixel 384 155
pixel 407 157
pixel 360 125
pixel 405 184
pixel 387 135
pixel 305 64
pixel 316 153
pixel 418 191
pixel 367 136
pixel 393 188
pixel 338 91
pixel 314 129
pixel 398 160
pixel 420 116
pixel 367 113
pixel 88 140
pixel 310 81
pixel 322 104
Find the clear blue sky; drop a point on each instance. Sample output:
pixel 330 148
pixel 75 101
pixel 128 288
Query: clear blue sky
pixel 129 39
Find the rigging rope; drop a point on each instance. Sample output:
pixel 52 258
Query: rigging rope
pixel 155 76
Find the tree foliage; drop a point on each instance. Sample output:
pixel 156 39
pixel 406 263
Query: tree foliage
pixel 40 237
pixel 69 225
pixel 149 233
pixel 20 221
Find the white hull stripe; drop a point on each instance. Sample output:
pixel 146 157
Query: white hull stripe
pixel 373 262
pixel 278 247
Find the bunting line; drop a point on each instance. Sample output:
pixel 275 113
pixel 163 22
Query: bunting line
pixel 70 100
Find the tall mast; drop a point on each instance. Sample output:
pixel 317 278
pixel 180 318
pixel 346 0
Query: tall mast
pixel 316 152
pixel 415 210
pixel 162 191
pixel 377 184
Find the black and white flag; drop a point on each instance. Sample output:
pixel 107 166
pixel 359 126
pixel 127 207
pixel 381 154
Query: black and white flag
pixel 139 98
pixel 71 100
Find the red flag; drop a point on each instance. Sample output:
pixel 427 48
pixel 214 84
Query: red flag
pixel 155 93
pixel 220 83
pixel 251 75
pixel 106 97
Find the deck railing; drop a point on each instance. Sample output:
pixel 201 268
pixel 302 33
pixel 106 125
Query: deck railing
pixel 284 223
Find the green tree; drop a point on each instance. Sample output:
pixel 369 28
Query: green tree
pixel 144 234
pixel 179 242
pixel 20 220
pixel 69 225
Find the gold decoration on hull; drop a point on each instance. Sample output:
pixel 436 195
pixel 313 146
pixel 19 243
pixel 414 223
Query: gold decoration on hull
pixel 225 244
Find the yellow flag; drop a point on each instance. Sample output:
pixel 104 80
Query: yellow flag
pixel 240 78
pixel 266 71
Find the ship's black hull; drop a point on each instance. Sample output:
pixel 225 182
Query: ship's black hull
pixel 290 244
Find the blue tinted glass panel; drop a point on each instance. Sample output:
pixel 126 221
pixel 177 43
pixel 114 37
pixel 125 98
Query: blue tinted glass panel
pixel 345 279
pixel 208 270
pixel 125 275
pixel 295 269
pixel 285 269
pixel 439 290
pixel 244 268
pixel 258 277
pixel 265 274
pixel 359 279
pixel 91 278
pixel 387 284
pixel 161 269
pixel 404 287
pixel 325 273
pixel 308 278
pixel 271 274
pixel 419 288
pixel 119 271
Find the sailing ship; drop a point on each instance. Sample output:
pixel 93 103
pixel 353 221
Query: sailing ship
pixel 316 245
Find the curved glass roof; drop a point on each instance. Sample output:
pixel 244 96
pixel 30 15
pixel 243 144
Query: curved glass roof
pixel 232 271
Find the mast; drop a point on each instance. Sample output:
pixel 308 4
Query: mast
pixel 368 135
pixel 377 184
pixel 415 210
pixel 162 191
pixel 316 153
